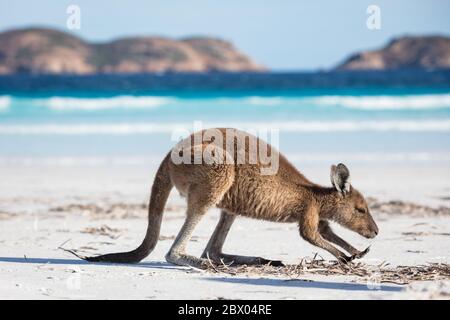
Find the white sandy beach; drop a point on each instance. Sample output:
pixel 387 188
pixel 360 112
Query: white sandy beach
pixel 45 207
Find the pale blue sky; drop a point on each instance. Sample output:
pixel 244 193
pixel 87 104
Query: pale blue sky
pixel 283 34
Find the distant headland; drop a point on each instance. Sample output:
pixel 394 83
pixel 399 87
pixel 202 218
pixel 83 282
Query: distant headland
pixel 49 51
pixel 409 52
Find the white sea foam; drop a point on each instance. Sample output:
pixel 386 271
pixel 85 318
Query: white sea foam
pixel 5 101
pixel 289 126
pixel 376 102
pixel 413 102
pixel 264 101
pixel 95 104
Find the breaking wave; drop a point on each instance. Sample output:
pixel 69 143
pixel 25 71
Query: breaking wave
pixel 367 102
pixel 95 104
pixel 413 102
pixel 5 101
pixel 265 101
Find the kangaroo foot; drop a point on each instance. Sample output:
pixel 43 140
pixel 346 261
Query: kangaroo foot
pixel 241 260
pixel 346 259
pixel 187 260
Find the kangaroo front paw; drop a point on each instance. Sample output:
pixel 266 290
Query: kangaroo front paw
pixel 361 254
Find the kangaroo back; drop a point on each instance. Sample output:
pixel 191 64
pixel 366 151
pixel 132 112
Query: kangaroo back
pixel 160 192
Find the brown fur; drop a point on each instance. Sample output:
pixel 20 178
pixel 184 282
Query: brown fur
pixel 241 190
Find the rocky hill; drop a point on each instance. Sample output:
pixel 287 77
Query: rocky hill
pixel 430 52
pixel 39 50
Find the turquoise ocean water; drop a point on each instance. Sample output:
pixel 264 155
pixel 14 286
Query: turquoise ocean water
pixel 94 125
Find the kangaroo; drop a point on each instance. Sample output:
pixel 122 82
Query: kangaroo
pixel 239 189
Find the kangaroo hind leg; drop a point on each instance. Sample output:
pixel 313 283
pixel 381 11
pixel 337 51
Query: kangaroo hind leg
pixel 200 197
pixel 214 247
pixel 177 253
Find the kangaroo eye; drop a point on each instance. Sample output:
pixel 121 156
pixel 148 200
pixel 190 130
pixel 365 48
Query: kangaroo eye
pixel 361 210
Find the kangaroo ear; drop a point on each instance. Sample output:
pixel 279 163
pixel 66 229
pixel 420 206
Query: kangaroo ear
pixel 340 178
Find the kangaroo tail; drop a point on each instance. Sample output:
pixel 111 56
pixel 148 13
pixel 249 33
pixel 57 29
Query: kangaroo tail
pixel 160 192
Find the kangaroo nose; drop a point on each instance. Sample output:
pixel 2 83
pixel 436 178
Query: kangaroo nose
pixel 372 234
pixel 375 230
pixel 374 227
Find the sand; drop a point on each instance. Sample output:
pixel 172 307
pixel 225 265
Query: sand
pixel 102 209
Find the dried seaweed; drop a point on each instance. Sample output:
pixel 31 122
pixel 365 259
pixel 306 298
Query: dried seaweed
pixel 107 210
pixel 400 275
pixel 104 230
pixel 7 215
pixel 396 207
pixel 134 210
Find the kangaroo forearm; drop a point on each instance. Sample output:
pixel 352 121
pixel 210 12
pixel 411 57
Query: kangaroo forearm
pixel 328 234
pixel 332 237
pixel 323 244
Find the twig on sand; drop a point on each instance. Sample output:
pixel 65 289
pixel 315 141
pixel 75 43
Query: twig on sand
pixel 74 253
pixel 211 264
pixel 62 244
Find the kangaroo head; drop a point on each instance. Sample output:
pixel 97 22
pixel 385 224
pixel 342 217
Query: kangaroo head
pixel 350 209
